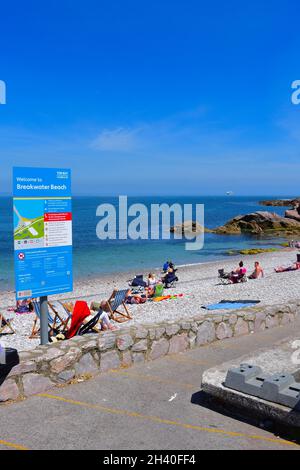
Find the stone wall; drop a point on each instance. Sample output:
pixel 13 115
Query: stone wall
pixel 47 366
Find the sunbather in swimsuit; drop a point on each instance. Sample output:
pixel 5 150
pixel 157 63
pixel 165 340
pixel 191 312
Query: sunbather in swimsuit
pixel 293 267
pixel 258 271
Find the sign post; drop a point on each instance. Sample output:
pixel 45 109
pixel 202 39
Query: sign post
pixel 42 236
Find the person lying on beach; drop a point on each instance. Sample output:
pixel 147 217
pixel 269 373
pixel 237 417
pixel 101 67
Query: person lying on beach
pixel 294 267
pixel 104 317
pixel 258 271
pixel 136 298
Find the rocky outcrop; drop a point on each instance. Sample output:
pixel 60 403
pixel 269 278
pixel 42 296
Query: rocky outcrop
pixel 280 202
pixel 259 223
pixel 189 227
pixel 295 212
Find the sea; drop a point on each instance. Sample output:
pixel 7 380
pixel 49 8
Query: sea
pixel 93 257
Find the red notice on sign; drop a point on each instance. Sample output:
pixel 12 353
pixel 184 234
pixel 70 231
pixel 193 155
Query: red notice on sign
pixel 57 216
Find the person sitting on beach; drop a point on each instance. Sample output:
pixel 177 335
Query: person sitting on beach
pixel 238 274
pixel 170 276
pixel 294 267
pixel 258 271
pixel 104 317
pixel 166 266
pixel 151 284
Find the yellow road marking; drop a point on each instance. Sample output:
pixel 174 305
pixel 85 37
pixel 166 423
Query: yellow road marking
pixel 153 378
pixel 13 446
pixel 156 419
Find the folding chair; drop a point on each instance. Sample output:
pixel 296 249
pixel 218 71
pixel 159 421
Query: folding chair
pixel 53 323
pixel 116 300
pixel 58 317
pixel 5 326
pixel 91 325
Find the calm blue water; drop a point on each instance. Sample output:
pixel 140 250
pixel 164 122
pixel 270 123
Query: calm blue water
pixel 93 256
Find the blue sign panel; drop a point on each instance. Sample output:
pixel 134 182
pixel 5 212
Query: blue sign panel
pixel 42 231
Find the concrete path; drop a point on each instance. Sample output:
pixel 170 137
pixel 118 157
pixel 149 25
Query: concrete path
pixel 156 405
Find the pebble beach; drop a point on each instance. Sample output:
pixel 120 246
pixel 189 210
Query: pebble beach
pixel 198 283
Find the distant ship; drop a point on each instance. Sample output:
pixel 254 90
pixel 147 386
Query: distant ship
pixel 229 193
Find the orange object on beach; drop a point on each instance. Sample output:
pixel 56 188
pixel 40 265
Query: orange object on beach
pixel 167 297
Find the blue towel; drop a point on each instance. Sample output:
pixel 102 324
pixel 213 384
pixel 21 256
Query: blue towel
pixel 229 305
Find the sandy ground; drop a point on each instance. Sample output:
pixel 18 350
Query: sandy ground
pixel 198 283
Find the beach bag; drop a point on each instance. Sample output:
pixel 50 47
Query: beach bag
pixel 138 281
pixel 159 290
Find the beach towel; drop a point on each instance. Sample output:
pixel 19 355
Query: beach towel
pixel 231 304
pixel 167 297
pixel 80 312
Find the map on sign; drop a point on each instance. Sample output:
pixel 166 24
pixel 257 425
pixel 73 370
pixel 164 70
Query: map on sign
pixel 29 228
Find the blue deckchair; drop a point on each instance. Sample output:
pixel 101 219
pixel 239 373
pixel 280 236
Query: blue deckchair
pixel 116 300
pixel 53 322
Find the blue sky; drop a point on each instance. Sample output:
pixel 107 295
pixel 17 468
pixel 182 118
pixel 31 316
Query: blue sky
pixel 161 97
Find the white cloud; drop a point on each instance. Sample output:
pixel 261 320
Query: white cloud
pixel 120 139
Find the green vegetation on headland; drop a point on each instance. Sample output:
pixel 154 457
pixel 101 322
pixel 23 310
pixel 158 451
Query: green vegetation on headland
pixel 252 251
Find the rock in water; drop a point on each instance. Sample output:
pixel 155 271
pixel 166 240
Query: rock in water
pixel 189 227
pixel 259 223
pixel 280 202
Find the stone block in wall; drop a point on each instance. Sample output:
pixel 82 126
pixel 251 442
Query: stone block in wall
pixel 109 360
pixel 241 327
pixel 124 342
pixel 223 331
pixel 179 343
pixel 206 333
pixel 140 346
pixel 36 383
pixel 86 365
pixel 172 329
pixel 65 361
pixel 159 348
pixel 106 341
pixel 9 390
pixel 22 368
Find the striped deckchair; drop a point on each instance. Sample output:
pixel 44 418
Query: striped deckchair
pixel 5 326
pixel 54 323
pixel 91 325
pixel 117 300
pixel 59 318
